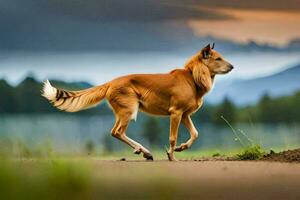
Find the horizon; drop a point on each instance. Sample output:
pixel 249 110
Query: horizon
pixel 97 68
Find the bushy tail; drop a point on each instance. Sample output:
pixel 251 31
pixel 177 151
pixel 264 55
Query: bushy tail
pixel 72 101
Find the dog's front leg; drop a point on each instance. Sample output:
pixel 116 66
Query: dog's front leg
pixel 175 119
pixel 188 123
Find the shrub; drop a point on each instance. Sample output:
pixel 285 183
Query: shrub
pixel 253 152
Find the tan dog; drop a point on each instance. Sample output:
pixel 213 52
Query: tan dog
pixel 178 94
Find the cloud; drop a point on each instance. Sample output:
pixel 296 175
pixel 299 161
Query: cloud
pixel 125 25
pixel 286 5
pixel 273 27
pixel 131 10
pixel 81 25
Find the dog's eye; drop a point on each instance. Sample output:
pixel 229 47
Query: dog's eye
pixel 218 59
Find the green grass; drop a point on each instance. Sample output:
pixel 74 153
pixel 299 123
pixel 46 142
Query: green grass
pixel 83 178
pixel 42 179
pixel 216 155
pixel 251 150
pixel 254 152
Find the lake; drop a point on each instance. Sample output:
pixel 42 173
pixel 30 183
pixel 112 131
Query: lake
pixel 70 133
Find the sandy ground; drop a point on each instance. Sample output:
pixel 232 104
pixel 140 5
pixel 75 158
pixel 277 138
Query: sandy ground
pixel 200 180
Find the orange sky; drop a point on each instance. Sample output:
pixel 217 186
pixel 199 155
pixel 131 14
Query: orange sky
pixel 275 27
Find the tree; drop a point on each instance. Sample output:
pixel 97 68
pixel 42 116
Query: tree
pixel 107 142
pixel 90 147
pixel 152 131
pixel 26 97
pixel 7 99
pixel 226 109
pixel 205 113
pixel 265 109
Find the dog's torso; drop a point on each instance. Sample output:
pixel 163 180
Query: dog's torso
pixel 156 94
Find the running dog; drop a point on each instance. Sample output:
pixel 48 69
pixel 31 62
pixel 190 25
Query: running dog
pixel 177 94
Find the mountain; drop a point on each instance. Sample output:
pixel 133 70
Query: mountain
pixel 71 85
pixel 26 97
pixel 243 92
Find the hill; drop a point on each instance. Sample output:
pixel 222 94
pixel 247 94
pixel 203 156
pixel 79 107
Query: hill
pixel 243 92
pixel 26 97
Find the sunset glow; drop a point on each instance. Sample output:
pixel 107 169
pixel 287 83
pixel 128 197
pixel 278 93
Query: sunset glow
pixel 273 27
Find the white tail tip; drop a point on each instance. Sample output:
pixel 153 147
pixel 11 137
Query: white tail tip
pixel 49 91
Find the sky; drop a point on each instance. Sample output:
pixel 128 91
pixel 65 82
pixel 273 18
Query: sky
pixel 148 25
pixel 77 39
pixel 262 26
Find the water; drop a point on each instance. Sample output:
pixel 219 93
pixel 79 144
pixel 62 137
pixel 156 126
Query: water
pixel 69 133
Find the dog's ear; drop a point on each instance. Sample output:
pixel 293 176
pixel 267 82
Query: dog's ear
pixel 206 51
pixel 213 46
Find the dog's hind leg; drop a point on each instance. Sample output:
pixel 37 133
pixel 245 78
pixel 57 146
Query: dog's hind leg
pixel 188 123
pixel 119 132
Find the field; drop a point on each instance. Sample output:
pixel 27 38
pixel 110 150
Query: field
pixel 78 162
pixel 96 177
pixel 72 160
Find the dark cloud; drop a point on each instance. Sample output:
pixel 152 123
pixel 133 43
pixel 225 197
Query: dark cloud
pixel 127 25
pixel 106 11
pixel 131 10
pixel 157 10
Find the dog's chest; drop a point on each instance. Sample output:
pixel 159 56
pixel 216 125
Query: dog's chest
pixel 199 103
pixel 195 105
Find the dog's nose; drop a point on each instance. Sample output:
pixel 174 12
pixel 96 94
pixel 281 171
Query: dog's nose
pixel 231 67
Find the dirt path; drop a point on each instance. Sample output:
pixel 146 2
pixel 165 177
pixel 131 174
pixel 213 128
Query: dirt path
pixel 201 180
pixel 92 178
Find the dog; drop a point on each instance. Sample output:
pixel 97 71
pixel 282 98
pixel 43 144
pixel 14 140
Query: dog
pixel 177 94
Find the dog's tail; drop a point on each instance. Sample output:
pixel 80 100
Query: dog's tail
pixel 73 101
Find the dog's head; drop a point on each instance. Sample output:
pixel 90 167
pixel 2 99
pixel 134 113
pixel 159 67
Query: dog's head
pixel 214 61
pixel 205 65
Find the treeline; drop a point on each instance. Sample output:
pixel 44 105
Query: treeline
pixel 25 98
pixel 284 109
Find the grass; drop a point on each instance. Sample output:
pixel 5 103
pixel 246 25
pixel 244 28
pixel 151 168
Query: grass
pixel 251 150
pixel 83 178
pixel 216 154
pixel 42 179
pixel 43 175
pixel 24 151
pixel 90 178
pixel 19 149
pixel 251 153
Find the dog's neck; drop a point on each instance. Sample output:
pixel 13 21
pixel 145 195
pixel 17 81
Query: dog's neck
pixel 202 77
